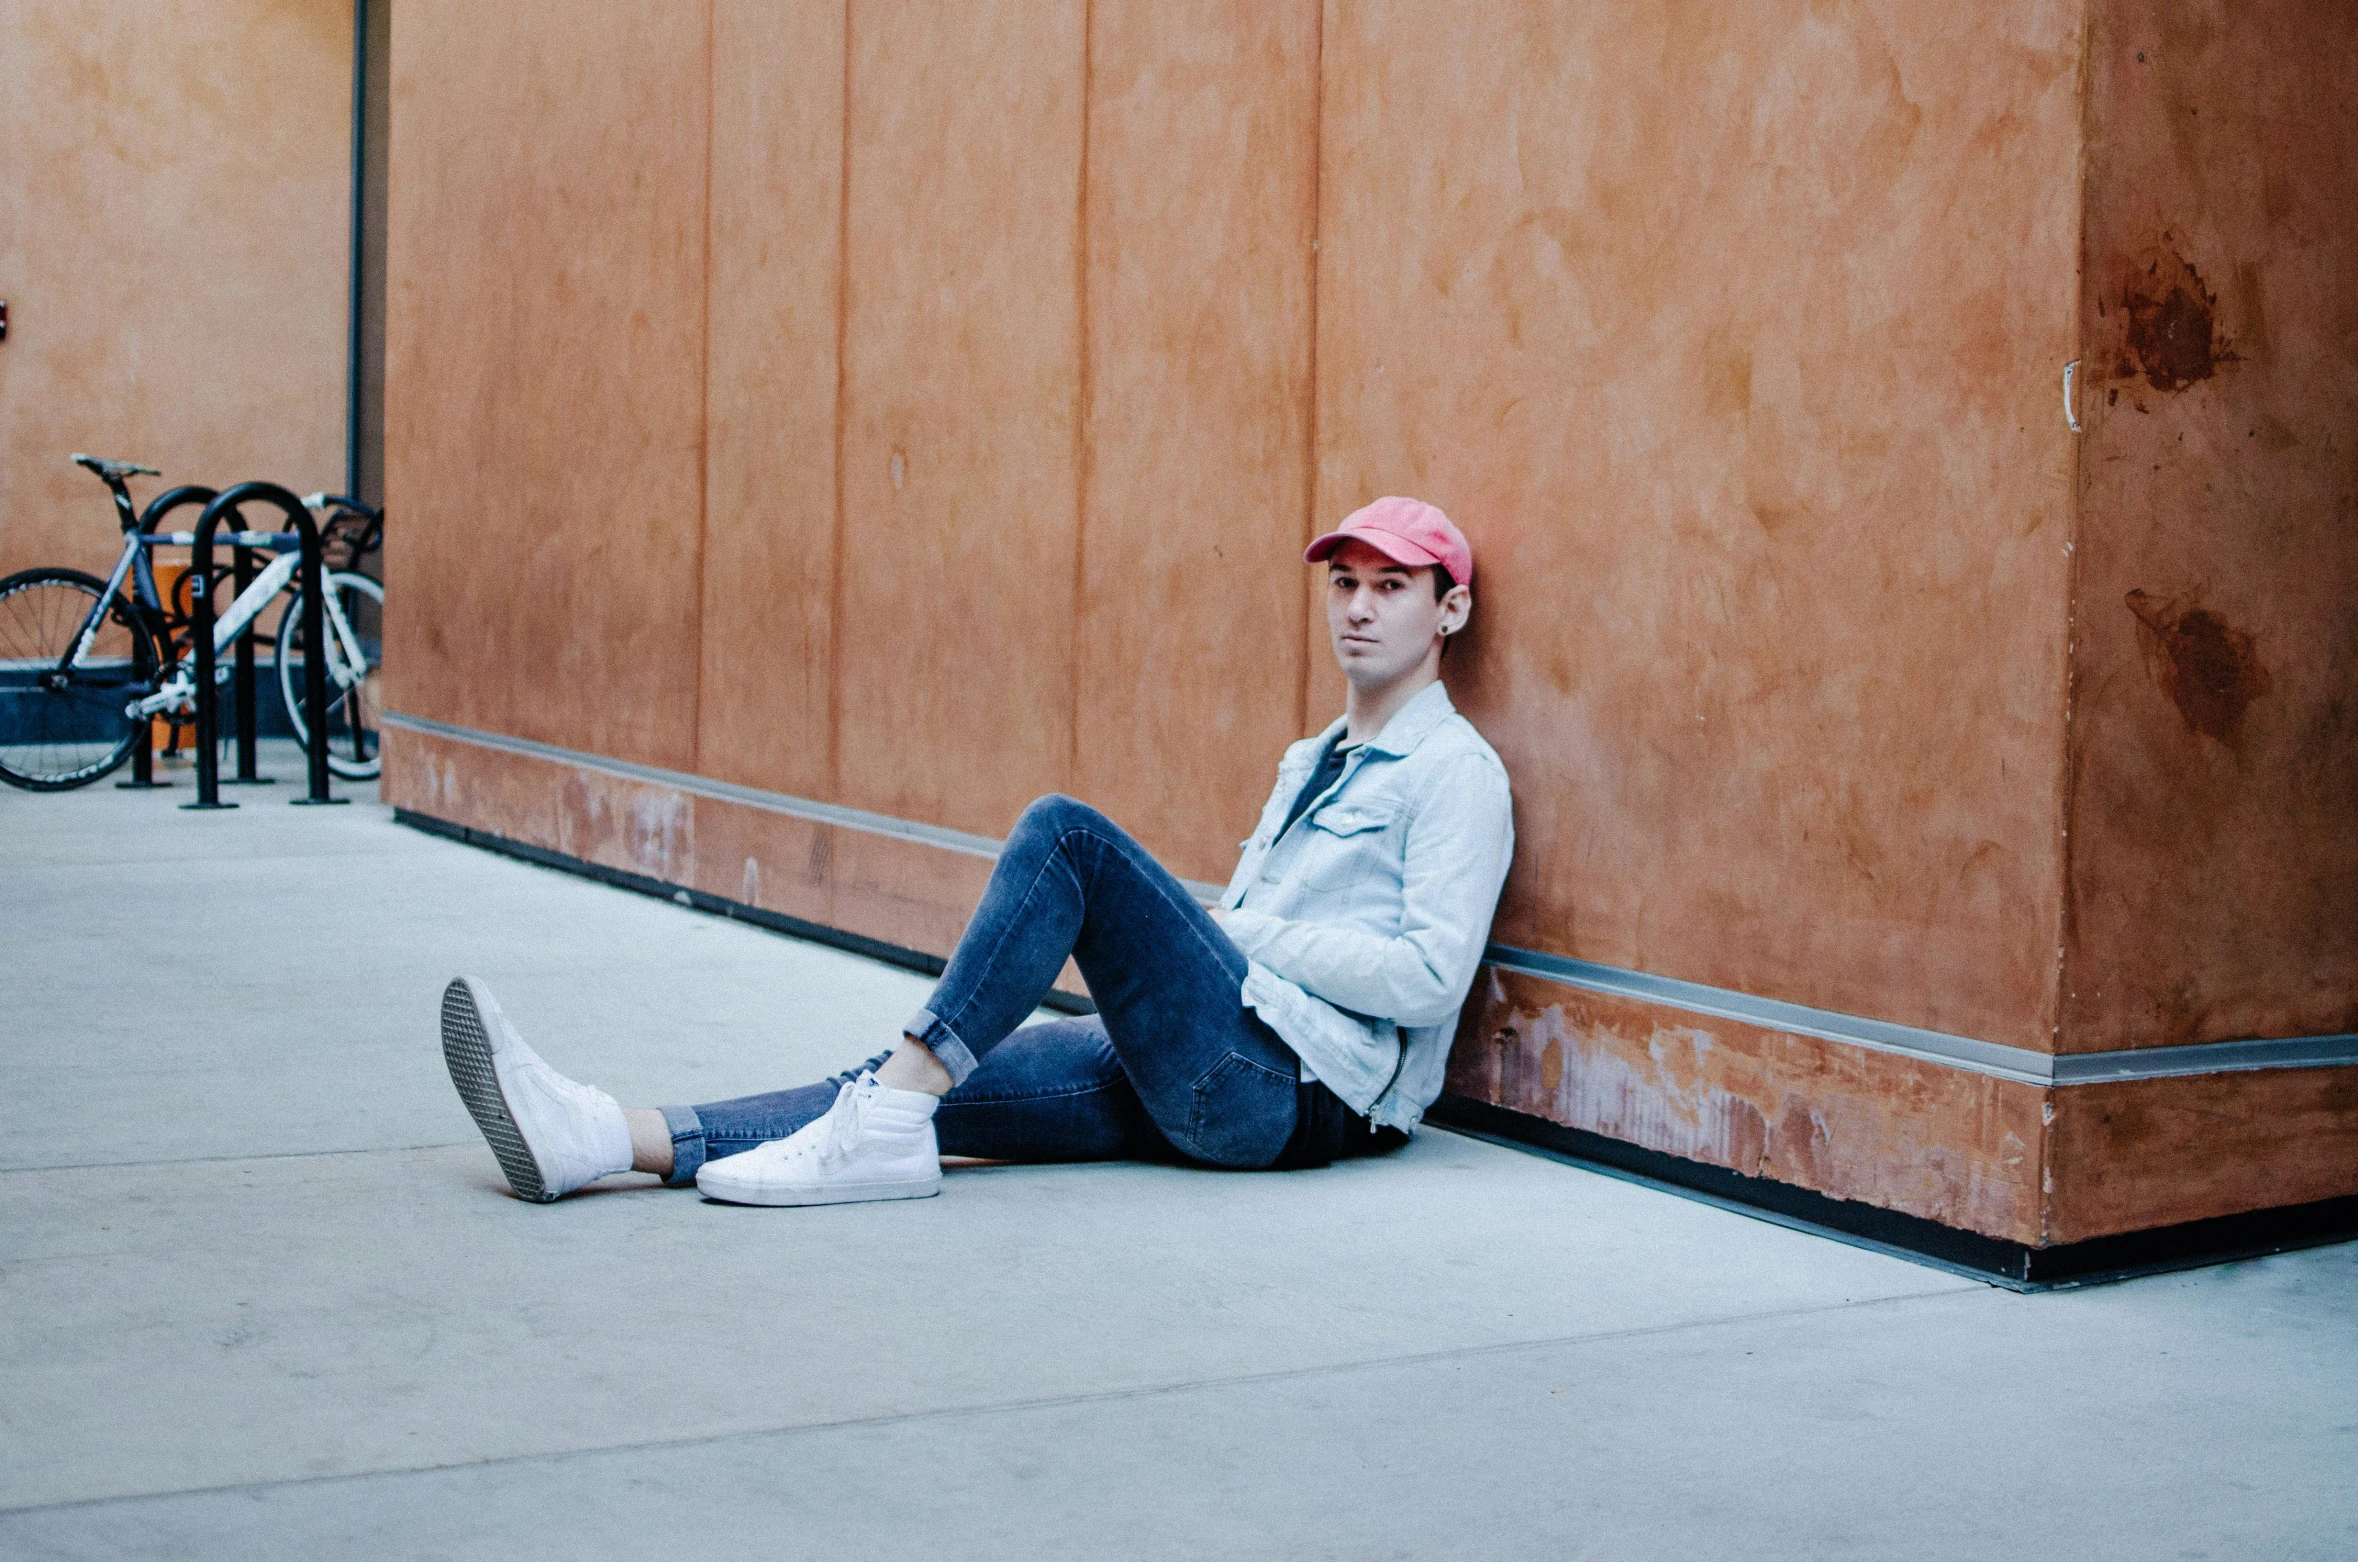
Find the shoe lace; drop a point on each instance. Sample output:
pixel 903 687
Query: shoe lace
pixel 846 1119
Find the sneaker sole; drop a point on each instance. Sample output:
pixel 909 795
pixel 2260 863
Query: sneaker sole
pixel 838 1193
pixel 466 1047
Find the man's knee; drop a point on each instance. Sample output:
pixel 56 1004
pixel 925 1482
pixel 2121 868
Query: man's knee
pixel 1057 813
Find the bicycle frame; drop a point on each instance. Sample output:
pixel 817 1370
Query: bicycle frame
pixel 133 562
pixel 134 556
pixel 176 687
pixel 173 665
pixel 346 661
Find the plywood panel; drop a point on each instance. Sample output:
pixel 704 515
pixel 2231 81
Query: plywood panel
pixel 769 533
pixel 1732 337
pixel 545 371
pixel 916 896
pixel 769 861
pixel 173 256
pixel 2129 1157
pixel 955 627
pixel 2214 889
pixel 1200 212
pixel 1959 1148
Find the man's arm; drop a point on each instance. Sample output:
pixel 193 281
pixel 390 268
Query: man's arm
pixel 1456 861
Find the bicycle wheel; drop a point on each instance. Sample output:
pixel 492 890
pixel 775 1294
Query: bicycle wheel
pixel 352 712
pixel 62 729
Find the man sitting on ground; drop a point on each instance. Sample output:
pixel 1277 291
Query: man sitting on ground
pixel 1306 1019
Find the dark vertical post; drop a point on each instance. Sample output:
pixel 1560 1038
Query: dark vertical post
pixel 313 575
pixel 208 703
pixel 315 661
pixel 242 678
pixel 143 751
pixel 144 596
pixel 352 363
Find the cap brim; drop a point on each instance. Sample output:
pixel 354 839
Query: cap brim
pixel 1396 548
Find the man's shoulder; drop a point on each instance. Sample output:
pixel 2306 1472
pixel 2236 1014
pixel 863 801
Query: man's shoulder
pixel 1454 768
pixel 1456 743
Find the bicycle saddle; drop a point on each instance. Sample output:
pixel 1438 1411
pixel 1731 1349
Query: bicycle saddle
pixel 114 468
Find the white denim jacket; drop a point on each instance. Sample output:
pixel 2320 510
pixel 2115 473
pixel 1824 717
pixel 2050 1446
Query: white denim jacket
pixel 1365 920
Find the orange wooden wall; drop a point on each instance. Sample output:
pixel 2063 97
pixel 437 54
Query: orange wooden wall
pixel 2214 877
pixel 836 401
pixel 173 252
pixel 1734 336
pixel 923 416
pixel 922 408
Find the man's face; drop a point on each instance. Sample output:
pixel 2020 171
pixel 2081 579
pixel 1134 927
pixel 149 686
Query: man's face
pixel 1382 617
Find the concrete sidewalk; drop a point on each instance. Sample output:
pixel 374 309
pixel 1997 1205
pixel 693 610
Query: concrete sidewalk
pixel 263 1293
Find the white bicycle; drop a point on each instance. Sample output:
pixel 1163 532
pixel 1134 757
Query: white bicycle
pixel 81 672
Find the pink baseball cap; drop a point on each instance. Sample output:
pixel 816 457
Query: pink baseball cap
pixel 1406 531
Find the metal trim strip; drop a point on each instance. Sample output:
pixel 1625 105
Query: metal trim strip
pixel 836 814
pixel 1981 1057
pixel 1994 1059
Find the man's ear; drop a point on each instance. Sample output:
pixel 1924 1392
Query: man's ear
pixel 1457 605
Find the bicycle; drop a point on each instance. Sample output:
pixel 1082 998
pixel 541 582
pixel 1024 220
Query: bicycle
pixel 85 664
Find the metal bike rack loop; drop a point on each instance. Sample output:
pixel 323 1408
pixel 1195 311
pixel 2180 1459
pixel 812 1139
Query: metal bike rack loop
pixel 241 678
pixel 312 572
pixel 143 758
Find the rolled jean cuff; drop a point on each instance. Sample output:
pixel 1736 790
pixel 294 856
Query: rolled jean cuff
pixel 938 1039
pixel 687 1144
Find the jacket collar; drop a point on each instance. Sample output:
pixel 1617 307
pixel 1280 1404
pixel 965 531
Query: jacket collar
pixel 1410 725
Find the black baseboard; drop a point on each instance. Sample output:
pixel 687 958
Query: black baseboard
pixel 2014 1265
pixel 697 900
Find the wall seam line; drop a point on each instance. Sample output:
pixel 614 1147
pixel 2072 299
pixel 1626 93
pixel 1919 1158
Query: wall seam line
pixel 2067 780
pixel 1310 611
pixel 1084 392
pixel 704 413
pixel 839 522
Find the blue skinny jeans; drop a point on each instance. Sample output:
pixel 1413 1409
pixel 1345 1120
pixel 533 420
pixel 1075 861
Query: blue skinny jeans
pixel 1172 1065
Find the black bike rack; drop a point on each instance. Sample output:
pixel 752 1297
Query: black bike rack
pixel 143 759
pixel 241 678
pixel 312 572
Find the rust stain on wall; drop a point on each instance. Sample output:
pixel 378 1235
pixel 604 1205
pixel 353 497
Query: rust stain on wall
pixel 1951 1146
pixel 2213 871
pixel 901 892
pixel 2170 325
pixel 2040 1166
pixel 2207 668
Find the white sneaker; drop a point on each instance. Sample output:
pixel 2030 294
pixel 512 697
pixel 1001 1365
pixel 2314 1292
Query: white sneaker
pixel 551 1134
pixel 873 1143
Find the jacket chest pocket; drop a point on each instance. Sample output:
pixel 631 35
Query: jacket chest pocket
pixel 1351 843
